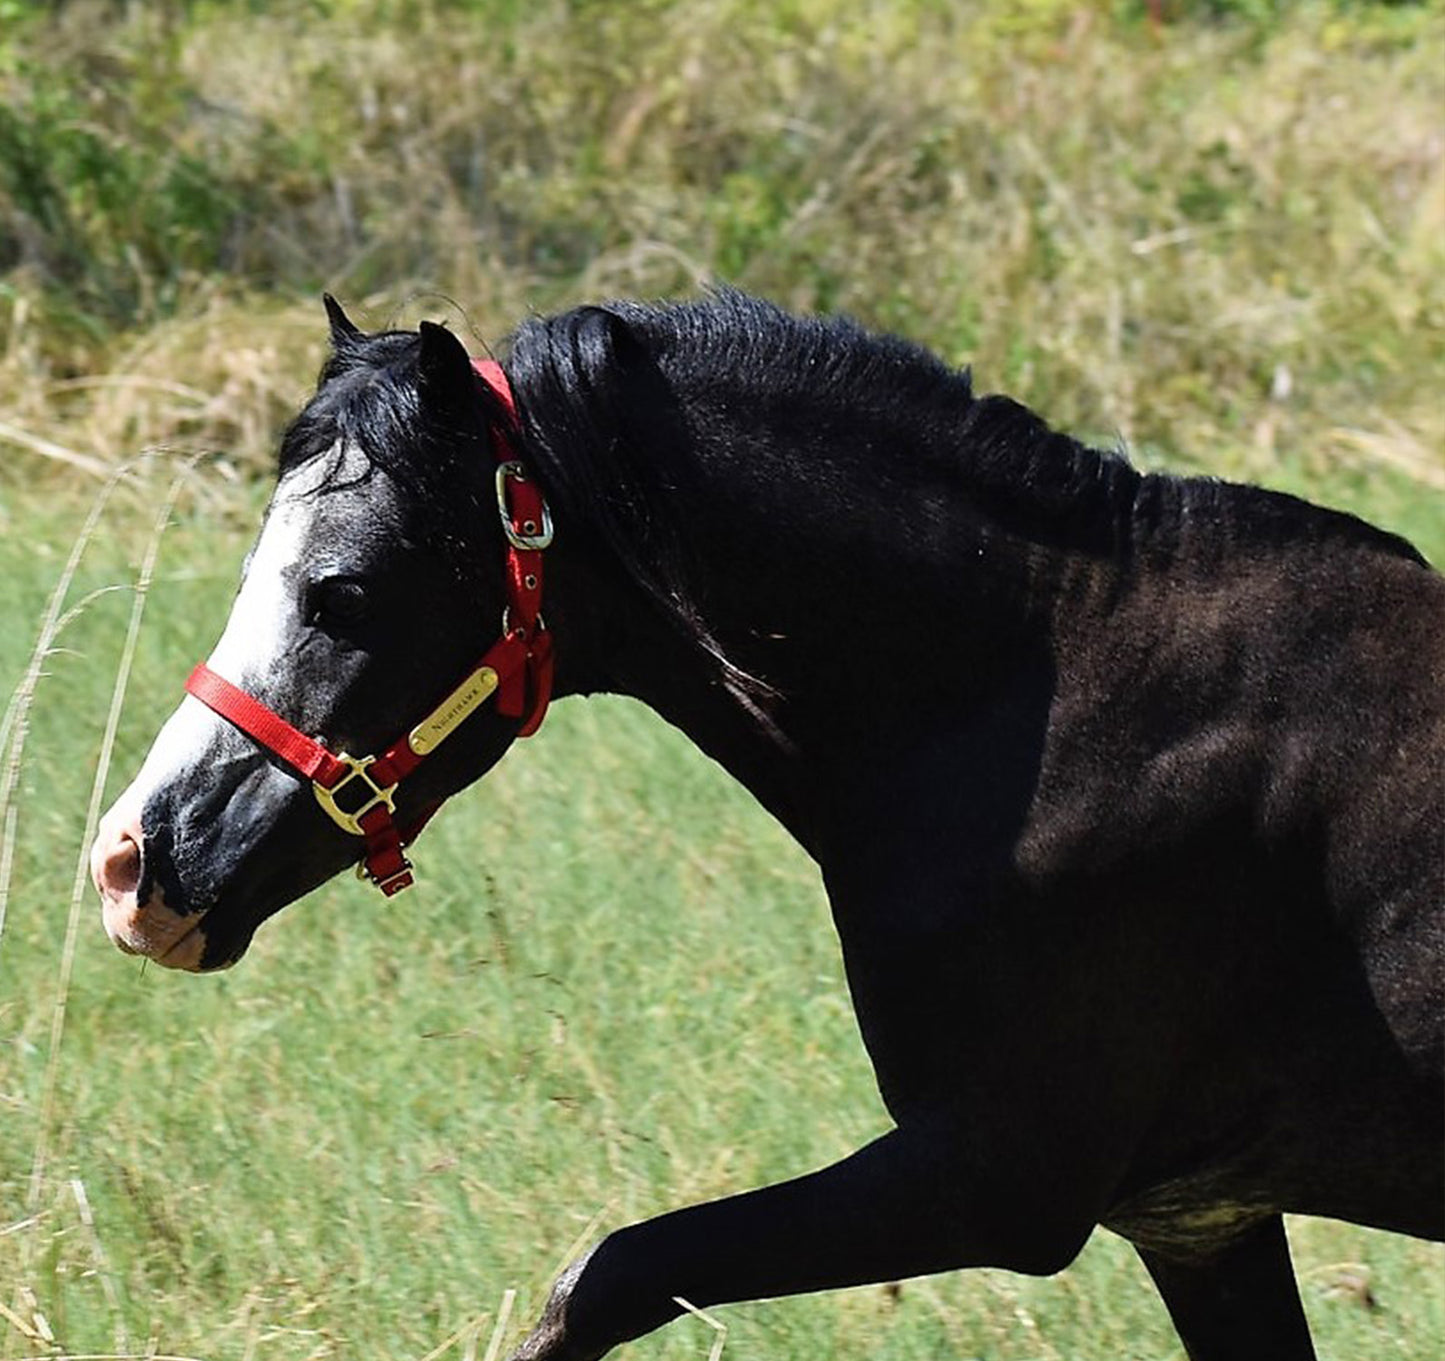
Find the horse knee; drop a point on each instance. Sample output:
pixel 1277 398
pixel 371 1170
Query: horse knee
pixel 1016 1229
pixel 1048 1252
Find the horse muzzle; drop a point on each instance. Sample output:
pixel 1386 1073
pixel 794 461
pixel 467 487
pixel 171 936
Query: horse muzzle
pixel 140 925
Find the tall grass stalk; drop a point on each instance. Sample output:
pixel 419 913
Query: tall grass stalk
pixel 14 726
pixel 719 1328
pixel 102 1265
pixel 81 881
pixel 49 449
pixel 499 1329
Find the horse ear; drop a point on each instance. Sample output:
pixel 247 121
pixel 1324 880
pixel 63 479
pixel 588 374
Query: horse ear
pixel 605 339
pixel 443 365
pixel 344 332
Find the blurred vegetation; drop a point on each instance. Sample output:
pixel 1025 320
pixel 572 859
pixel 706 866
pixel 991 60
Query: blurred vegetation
pixel 1215 228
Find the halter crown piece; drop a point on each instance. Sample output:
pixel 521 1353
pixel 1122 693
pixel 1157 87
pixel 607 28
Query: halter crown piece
pixel 359 793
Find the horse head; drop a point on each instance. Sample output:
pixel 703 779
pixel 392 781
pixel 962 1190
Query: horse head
pixel 380 568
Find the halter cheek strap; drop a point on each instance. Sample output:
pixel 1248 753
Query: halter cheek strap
pixel 359 793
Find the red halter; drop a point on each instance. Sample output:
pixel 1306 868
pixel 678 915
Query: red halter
pixel 358 793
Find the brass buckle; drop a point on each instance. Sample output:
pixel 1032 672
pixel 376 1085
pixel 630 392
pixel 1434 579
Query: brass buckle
pixel 349 819
pixel 535 540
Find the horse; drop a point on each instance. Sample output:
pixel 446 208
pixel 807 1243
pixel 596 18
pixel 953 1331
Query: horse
pixel 1125 789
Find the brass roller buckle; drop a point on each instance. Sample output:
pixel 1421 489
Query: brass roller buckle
pixel 373 794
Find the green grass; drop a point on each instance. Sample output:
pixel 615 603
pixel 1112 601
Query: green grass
pixel 616 990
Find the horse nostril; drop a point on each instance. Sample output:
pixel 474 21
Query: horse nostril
pixel 120 867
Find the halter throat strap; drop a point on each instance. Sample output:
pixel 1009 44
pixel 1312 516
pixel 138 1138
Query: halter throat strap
pixel 359 793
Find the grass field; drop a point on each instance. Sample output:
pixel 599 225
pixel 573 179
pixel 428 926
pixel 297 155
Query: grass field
pixel 616 989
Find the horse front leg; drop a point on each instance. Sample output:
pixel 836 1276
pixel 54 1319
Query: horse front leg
pixel 907 1204
pixel 1240 1304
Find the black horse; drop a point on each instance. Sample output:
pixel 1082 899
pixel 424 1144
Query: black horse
pixel 1126 790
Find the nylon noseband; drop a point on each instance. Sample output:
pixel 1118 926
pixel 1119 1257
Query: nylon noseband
pixel 359 793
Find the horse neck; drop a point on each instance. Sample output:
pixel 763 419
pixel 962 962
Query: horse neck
pixel 842 535
pixel 858 578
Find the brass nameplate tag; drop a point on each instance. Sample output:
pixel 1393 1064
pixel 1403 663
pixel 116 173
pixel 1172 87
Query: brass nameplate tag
pixel 438 725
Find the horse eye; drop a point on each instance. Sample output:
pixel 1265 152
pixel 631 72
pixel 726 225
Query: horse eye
pixel 336 600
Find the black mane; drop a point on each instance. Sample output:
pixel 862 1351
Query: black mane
pixel 370 396
pixel 611 448
pixel 615 397
pixel 369 393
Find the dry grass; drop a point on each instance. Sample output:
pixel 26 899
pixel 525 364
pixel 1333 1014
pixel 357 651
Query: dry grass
pixel 1224 243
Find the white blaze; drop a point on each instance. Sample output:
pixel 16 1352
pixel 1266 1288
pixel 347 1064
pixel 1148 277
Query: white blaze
pixel 254 640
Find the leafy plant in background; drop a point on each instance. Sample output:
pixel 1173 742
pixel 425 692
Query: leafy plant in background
pixel 1132 213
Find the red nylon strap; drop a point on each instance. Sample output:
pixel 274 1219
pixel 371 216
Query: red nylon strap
pixel 386 866
pixel 267 727
pixel 522 659
pixel 539 672
pixel 526 510
pixel 492 374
